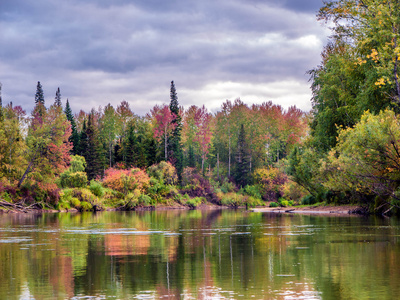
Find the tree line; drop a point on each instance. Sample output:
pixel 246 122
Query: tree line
pixel 230 145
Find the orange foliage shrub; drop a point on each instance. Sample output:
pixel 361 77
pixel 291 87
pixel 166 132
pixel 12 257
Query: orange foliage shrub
pixel 125 181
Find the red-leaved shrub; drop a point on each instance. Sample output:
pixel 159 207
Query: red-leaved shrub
pixel 125 181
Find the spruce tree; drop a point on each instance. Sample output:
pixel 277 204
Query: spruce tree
pixel 1 105
pixel 175 140
pixel 83 141
pixel 242 157
pixel 94 152
pixel 57 99
pixel 74 138
pixel 39 96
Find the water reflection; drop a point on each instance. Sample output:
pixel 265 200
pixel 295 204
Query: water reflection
pixel 197 255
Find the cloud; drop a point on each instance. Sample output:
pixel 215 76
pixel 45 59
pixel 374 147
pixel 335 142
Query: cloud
pixel 100 51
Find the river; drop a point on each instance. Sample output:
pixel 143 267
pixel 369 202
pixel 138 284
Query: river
pixel 218 254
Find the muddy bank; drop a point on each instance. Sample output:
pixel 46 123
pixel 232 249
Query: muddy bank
pixel 338 210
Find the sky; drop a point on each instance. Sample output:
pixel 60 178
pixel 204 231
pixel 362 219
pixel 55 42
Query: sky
pixel 107 51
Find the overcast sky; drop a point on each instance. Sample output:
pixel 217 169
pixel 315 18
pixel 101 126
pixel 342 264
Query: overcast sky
pixel 106 51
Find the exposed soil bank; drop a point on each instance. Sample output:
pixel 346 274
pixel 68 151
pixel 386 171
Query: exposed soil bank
pixel 338 210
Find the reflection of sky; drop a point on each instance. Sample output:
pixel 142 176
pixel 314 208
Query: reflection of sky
pixel 108 51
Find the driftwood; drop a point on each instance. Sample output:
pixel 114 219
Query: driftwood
pixel 21 206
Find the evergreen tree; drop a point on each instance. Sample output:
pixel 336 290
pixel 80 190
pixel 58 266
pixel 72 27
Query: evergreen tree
pixel 1 106
pixel 129 147
pixel 57 99
pixel 1 101
pixel 176 155
pixel 94 153
pixel 83 141
pixel 39 96
pixel 242 167
pixel 74 138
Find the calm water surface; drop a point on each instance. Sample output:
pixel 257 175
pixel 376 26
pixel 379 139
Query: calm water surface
pixel 198 255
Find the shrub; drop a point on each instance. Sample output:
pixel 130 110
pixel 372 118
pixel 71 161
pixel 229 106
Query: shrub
pixel 194 202
pixel 195 185
pixel 96 188
pixel 163 171
pixel 233 199
pixel 284 203
pixel 70 180
pixel 273 204
pixel 292 190
pixel 253 190
pixel 45 192
pixel 144 200
pixel 86 206
pixel 271 181
pixel 308 200
pixel 125 181
pixel 227 186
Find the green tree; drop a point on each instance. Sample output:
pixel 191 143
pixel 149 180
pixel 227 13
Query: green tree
pixel 366 158
pixel 74 138
pixel 39 96
pixel 94 154
pixel 175 141
pixel 57 98
pixel 12 143
pixel 242 158
pixel 108 130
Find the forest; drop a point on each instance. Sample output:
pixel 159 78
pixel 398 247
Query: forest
pixel 345 150
pixel 111 157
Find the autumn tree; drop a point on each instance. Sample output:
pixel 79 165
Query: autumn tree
pixel 197 131
pixel 163 125
pixel 47 144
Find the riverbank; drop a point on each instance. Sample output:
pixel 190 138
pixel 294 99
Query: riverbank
pixel 320 209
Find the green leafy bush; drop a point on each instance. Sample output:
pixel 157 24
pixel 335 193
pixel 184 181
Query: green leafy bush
pixel 96 188
pixel 273 204
pixel 194 202
pixel 71 180
pixel 163 171
pixel 144 200
pixel 308 200
pixel 253 190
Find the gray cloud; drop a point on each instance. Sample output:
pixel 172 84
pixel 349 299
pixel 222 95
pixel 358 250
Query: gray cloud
pixel 100 51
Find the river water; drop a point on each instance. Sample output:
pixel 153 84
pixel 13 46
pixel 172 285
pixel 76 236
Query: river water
pixel 221 254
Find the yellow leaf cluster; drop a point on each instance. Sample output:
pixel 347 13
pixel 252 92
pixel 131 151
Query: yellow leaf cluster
pixel 374 55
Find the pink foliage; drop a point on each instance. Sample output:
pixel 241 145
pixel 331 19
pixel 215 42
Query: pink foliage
pixel 164 118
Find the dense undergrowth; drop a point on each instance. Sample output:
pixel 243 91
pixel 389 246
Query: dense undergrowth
pixel 134 188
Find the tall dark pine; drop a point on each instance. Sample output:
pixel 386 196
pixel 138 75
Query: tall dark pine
pixel 94 153
pixel 1 106
pixel 176 154
pixel 39 96
pixel 1 101
pixel 57 99
pixel 242 157
pixel 74 138
pixel 83 141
